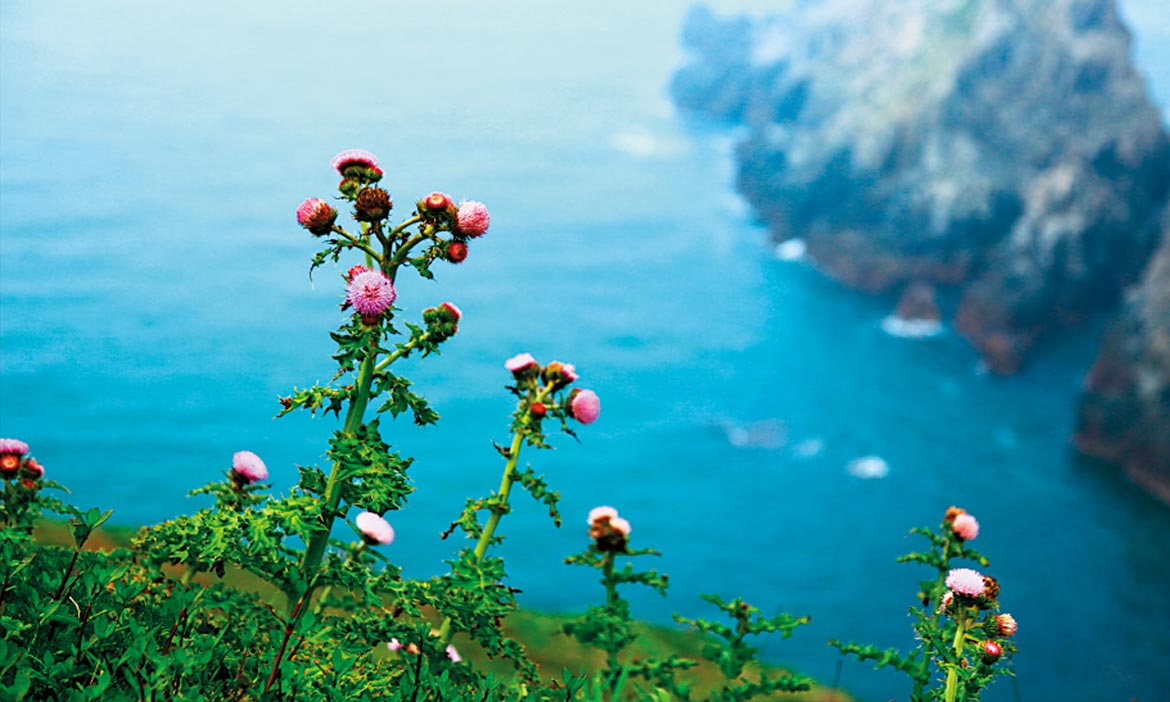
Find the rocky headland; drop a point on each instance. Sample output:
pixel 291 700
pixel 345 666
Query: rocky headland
pixel 1005 149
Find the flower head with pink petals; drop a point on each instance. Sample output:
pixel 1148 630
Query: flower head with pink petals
pixel 520 363
pixel 248 468
pixel 370 293
pixel 604 512
pixel 316 215
pixel 374 529
pixel 13 447
pixel 472 219
pixel 354 157
pixel 965 526
pixel 965 581
pixel 585 406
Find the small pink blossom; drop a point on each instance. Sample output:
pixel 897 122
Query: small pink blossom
pixel 394 644
pixel 354 157
pixel 585 406
pixel 370 293
pixel 965 581
pixel 374 529
pixel 603 512
pixel 249 467
pixel 453 654
pixel 34 469
pixel 438 202
pixel 520 362
pixel 473 218
pixel 991 651
pixel 620 525
pixel 13 447
pixel 966 527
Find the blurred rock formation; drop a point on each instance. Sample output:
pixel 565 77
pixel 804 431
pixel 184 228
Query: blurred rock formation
pixel 1007 147
pixel 1125 408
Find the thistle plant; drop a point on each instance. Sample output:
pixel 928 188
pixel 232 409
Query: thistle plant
pixel 610 628
pixel 963 642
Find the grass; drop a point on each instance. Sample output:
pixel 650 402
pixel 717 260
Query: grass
pixel 540 633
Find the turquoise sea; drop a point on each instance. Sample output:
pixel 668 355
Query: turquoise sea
pixel 154 302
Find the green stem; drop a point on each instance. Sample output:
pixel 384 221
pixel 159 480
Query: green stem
pixel 489 529
pixel 371 254
pixel 402 351
pixel 315 550
pixel 953 673
pixel 610 601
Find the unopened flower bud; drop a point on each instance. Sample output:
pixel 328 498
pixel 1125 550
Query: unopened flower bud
pixel 372 205
pixel 453 313
pixel 437 203
pixel 990 587
pixel 965 526
pixel 1006 624
pixel 455 251
pixel 33 469
pixel 317 216
pixel 538 410
pixel 559 374
pixel 990 651
pixel 349 187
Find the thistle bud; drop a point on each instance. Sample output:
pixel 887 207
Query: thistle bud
pixel 953 512
pixel 990 651
pixel 372 205
pixel 585 406
pixel 965 526
pixel 374 529
pixel 317 216
pixel 437 203
pixel 559 374
pixel 11 451
pixel 472 219
pixel 349 187
pixel 1006 625
pixel 247 468
pixel 522 365
pixel 990 587
pixel 33 469
pixel 455 251
pixel 538 410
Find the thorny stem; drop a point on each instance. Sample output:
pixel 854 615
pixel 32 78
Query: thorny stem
pixel 358 244
pixel 610 600
pixel 402 350
pixel 489 529
pixel 68 574
pixel 953 673
pixel 288 630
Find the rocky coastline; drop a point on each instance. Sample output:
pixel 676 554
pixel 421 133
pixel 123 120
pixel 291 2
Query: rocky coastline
pixel 1005 149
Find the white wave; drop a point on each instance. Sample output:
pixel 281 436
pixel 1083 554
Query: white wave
pixel 808 448
pixel 868 467
pixel 791 250
pixel 911 328
pixel 641 143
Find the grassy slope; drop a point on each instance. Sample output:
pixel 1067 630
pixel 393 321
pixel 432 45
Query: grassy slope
pixel 551 650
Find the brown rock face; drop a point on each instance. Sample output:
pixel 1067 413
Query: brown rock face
pixel 1124 415
pixel 918 302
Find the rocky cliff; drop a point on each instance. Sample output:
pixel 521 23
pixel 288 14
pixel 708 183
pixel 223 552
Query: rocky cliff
pixel 1125 408
pixel 1004 147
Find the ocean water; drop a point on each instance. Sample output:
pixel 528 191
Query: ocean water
pixel 758 426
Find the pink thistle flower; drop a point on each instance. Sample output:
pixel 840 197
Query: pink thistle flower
pixel 354 157
pixel 604 512
pixel 585 406
pixel 13 447
pixel 620 525
pixel 453 312
pixel 394 644
pixel 472 219
pixel 374 529
pixel 453 654
pixel 1006 624
pixel 354 270
pixel 966 527
pixel 248 468
pixel 965 581
pixel 520 362
pixel 371 293
pixel 316 215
